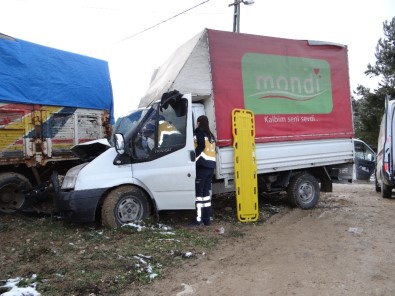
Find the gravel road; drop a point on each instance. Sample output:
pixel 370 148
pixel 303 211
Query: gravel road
pixel 345 246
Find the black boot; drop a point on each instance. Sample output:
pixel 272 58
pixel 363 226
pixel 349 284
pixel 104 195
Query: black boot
pixel 206 216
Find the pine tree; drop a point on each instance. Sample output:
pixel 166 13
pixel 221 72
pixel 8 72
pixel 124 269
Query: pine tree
pixel 369 108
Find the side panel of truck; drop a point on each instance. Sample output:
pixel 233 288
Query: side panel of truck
pixel 298 90
pixel 32 135
pixel 275 157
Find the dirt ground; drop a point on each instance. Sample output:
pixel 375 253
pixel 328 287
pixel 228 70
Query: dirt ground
pixel 345 246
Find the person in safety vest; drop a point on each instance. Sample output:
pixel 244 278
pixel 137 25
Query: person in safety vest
pixel 205 164
pixel 166 131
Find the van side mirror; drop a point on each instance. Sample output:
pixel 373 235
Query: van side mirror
pixel 119 143
pixel 371 157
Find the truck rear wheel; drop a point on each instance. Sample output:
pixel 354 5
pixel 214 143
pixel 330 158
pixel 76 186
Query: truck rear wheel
pixel 12 192
pixel 303 191
pixel 123 205
pixel 386 191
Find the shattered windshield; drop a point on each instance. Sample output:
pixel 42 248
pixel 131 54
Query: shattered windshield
pixel 128 123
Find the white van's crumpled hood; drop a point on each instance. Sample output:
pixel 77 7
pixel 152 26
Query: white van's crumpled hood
pixel 90 150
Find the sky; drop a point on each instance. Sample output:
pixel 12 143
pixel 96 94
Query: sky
pixel 136 37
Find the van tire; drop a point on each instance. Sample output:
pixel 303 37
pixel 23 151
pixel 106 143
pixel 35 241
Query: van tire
pixel 386 191
pixel 13 187
pixel 303 191
pixel 123 205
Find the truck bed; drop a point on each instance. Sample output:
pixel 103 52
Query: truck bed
pixel 36 134
pixel 284 156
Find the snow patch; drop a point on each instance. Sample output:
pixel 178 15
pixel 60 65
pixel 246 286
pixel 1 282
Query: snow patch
pixel 12 284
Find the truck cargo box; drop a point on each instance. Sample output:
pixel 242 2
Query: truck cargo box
pixel 35 134
pixel 50 100
pixel 297 89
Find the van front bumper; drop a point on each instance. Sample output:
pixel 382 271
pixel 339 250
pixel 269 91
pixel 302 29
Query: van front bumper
pixel 77 206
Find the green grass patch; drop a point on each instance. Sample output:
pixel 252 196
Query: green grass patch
pixel 83 259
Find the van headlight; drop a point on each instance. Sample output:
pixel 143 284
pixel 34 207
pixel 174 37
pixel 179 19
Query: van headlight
pixel 71 176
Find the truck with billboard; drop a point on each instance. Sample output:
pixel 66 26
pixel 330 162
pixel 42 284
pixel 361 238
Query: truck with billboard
pixel 299 94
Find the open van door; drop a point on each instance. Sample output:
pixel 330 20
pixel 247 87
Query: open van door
pixel 163 156
pixel 365 160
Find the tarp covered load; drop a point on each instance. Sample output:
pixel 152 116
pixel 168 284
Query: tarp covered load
pixel 36 74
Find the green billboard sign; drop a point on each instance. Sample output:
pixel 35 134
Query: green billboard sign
pixel 274 84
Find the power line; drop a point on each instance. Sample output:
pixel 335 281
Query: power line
pixel 163 21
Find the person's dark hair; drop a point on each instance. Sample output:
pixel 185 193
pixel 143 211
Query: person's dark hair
pixel 204 126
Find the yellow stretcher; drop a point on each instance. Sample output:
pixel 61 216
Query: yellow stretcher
pixel 243 129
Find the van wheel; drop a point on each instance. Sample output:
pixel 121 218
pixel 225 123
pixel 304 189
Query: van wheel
pixel 303 191
pixel 12 192
pixel 386 191
pixel 123 205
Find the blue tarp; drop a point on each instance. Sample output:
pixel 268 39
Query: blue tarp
pixel 36 74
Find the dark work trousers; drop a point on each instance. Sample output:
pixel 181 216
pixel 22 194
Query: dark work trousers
pixel 203 197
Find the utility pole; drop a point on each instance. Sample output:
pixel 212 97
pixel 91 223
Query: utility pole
pixel 236 13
